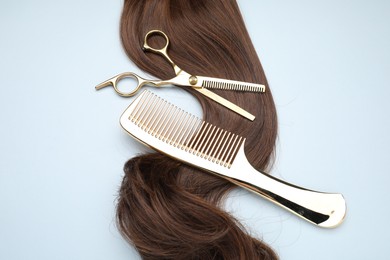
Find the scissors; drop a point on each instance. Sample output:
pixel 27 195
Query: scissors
pixel 183 78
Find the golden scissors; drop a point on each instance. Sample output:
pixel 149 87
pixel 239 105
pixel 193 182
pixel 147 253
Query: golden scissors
pixel 183 78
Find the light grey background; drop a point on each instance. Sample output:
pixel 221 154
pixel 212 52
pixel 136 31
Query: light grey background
pixel 62 150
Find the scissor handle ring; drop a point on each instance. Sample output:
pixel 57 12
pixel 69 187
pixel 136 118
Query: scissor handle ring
pixel 162 50
pixel 139 81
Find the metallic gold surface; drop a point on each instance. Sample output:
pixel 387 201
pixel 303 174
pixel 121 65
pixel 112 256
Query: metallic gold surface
pixel 183 78
pixel 176 133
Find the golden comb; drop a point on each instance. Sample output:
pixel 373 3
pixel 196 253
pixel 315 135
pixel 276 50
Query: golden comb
pixel 178 134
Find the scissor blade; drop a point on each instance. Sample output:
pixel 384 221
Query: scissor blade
pixel 225 103
pixel 225 84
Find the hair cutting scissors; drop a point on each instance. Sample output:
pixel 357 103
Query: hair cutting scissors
pixel 183 78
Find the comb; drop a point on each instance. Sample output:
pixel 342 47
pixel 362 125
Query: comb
pixel 224 84
pixel 180 135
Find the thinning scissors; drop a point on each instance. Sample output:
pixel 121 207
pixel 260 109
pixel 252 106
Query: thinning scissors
pixel 183 78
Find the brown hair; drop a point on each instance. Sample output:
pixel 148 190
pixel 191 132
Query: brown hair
pixel 169 210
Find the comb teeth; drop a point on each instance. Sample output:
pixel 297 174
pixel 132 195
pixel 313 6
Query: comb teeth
pixel 184 131
pixel 248 87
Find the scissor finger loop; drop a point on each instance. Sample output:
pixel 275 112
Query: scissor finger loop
pixel 162 51
pixel 114 81
pixel 156 32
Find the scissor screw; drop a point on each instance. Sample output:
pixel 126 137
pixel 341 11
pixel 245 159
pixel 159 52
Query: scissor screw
pixel 193 80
